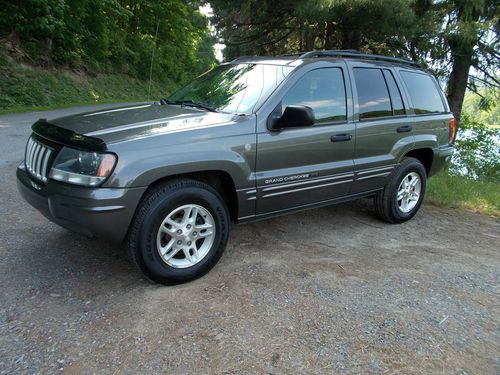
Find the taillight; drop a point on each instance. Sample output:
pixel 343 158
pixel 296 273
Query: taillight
pixel 452 129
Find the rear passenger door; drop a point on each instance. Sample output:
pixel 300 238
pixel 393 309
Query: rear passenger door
pixel 384 131
pixel 429 108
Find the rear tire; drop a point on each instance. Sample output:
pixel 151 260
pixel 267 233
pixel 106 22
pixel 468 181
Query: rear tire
pixel 179 232
pixel 403 195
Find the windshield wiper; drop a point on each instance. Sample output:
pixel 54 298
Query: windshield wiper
pixel 188 103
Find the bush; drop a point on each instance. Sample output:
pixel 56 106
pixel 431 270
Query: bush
pixel 477 153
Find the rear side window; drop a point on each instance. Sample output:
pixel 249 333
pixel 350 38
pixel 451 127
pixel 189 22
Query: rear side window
pixel 423 93
pixel 373 95
pixel 322 90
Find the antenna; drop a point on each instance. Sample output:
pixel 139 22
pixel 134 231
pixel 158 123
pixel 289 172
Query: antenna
pixel 152 58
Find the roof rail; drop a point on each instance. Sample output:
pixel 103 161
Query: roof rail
pixel 242 58
pixel 291 54
pixel 357 55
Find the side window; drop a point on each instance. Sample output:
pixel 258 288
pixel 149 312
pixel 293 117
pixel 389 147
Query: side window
pixel 423 93
pixel 398 107
pixel 373 95
pixel 324 91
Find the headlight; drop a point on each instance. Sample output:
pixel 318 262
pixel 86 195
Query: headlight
pixel 81 167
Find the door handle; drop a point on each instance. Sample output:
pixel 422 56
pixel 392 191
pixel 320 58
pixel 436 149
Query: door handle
pixel 341 137
pixel 404 129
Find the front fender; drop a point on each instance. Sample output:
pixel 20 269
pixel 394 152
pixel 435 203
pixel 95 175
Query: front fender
pixel 233 164
pixel 141 163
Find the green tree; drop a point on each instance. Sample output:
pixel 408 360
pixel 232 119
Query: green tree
pixel 471 37
pixel 477 153
pixel 112 36
pixel 30 20
pixel 256 27
pixel 484 106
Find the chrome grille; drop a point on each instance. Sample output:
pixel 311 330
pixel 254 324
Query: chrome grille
pixel 37 159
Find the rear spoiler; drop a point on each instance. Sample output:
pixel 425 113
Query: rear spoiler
pixel 66 137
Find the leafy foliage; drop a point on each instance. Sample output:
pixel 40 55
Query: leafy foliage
pixel 477 153
pixel 484 105
pixel 112 36
pixel 259 27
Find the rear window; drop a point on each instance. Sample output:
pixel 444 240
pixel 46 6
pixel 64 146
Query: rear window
pixel 373 95
pixel 423 93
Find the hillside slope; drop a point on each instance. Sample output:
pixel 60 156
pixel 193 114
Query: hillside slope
pixel 24 88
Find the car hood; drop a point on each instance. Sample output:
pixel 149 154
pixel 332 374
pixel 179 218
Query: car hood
pixel 124 123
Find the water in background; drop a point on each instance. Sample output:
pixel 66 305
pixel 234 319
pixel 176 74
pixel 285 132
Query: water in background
pixel 477 154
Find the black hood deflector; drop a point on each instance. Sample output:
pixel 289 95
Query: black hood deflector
pixel 67 137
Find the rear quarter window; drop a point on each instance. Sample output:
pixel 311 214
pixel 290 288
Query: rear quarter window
pixel 398 107
pixel 423 93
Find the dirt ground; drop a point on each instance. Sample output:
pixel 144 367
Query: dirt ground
pixel 330 290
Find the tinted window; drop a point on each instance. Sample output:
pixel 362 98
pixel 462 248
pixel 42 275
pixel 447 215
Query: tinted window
pixel 373 96
pixel 423 92
pixel 323 90
pixel 234 87
pixel 398 107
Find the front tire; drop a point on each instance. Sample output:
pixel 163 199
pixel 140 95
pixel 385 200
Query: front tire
pixel 403 195
pixel 179 232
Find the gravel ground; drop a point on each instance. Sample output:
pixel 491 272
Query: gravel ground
pixel 331 290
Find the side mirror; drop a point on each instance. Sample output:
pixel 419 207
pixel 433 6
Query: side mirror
pixel 294 116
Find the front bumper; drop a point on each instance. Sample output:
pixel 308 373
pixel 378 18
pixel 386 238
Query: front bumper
pixel 442 158
pixel 99 212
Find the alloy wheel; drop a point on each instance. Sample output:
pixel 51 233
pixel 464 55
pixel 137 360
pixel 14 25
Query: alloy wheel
pixel 409 192
pixel 186 236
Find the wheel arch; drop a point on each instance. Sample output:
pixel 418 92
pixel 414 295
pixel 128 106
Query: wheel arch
pixel 219 180
pixel 425 155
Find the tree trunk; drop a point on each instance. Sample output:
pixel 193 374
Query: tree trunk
pixel 14 37
pixel 329 39
pixel 309 38
pixel 351 39
pixel 457 83
pixel 462 51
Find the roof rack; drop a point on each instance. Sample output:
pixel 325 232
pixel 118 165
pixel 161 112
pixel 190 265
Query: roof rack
pixel 357 55
pixel 291 54
pixel 241 58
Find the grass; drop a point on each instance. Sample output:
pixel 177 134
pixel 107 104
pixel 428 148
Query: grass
pixel 459 192
pixel 27 88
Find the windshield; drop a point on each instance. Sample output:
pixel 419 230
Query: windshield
pixel 234 88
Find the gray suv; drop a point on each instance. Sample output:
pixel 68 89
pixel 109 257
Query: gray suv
pixel 250 139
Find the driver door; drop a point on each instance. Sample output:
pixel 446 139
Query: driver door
pixel 307 165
